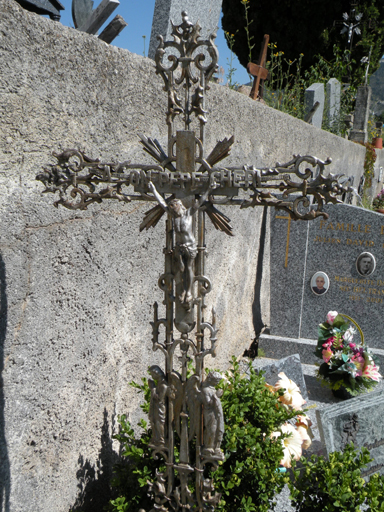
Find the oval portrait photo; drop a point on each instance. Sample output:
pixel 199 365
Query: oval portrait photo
pixel 320 283
pixel 365 264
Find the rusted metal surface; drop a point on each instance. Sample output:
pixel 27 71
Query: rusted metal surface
pixel 259 71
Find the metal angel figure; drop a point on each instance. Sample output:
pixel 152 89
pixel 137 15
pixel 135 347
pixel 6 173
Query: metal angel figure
pixel 157 408
pixel 213 416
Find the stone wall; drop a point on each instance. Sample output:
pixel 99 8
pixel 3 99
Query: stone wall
pixel 77 287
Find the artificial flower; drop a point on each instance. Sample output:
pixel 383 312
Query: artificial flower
pixel 327 354
pixel 306 440
pixel 359 361
pixel 292 395
pixel 349 333
pixel 371 372
pixel 292 444
pixel 330 318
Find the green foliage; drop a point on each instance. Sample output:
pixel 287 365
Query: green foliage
pixel 333 485
pixel 375 493
pixel 285 88
pixel 231 70
pixel 249 476
pixel 303 26
pixel 136 466
pixel 369 164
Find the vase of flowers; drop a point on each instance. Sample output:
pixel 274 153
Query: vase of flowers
pixel 347 368
pixel 378 202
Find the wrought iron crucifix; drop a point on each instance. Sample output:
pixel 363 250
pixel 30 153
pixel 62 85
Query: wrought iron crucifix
pixel 187 184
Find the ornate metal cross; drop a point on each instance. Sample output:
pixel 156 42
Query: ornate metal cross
pixel 187 183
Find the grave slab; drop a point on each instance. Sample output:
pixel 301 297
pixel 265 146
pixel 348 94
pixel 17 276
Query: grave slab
pixel 313 94
pixel 206 12
pixel 358 420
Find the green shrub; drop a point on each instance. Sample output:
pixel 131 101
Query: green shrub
pixel 333 485
pixel 375 493
pixel 248 478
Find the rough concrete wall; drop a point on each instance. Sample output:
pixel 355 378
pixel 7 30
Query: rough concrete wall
pixel 77 287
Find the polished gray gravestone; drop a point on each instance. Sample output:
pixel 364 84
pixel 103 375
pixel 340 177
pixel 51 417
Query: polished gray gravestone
pixel 333 89
pixel 359 132
pixel 358 420
pixel 288 246
pixel 315 93
pixel 300 250
pixel 207 12
pixel 334 246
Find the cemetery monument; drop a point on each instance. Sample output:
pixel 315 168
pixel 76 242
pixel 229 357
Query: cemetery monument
pixel 186 183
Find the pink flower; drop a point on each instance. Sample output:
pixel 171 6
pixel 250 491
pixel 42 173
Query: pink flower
pixel 352 345
pixel 330 318
pixel 328 343
pixel 371 372
pixel 358 360
pixel 327 354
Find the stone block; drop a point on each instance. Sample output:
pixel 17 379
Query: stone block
pixel 291 366
pixel 207 13
pixel 358 420
pixel 313 94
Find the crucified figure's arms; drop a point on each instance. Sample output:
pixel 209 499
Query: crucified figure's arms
pixel 199 202
pixel 158 197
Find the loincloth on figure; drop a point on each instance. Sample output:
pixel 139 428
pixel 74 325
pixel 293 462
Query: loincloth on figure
pixel 188 250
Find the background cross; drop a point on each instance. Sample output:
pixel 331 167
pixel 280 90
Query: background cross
pixel 259 71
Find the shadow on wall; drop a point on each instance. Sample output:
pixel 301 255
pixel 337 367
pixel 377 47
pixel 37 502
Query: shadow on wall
pixel 94 480
pixel 5 476
pixel 258 324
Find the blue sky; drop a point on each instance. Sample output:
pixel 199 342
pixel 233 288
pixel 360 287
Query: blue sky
pixel 138 14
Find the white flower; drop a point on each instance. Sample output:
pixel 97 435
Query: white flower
pixel 302 424
pixel 292 395
pixel 349 333
pixel 291 445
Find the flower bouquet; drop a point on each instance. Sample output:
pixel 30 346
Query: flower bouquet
pixel 345 365
pixel 378 202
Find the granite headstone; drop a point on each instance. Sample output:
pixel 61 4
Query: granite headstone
pixel 359 131
pixel 301 251
pixel 313 94
pixel 357 420
pixel 333 101
pixel 206 12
